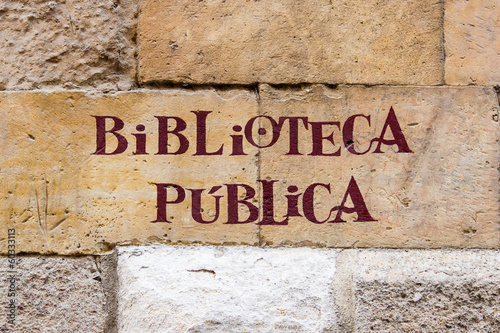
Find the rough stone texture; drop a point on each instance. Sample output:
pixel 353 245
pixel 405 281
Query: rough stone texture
pixel 225 289
pixel 248 289
pixel 61 198
pixel 373 42
pixel 472 45
pixel 444 194
pixel 54 294
pixel 106 266
pixel 426 291
pixel 67 43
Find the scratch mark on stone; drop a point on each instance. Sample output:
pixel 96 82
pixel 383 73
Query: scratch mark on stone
pixel 202 271
pixel 58 223
pixel 39 220
pixel 27 218
pixel 42 220
pixel 45 204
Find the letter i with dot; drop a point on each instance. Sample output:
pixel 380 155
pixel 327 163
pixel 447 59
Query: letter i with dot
pixel 237 142
pixel 140 140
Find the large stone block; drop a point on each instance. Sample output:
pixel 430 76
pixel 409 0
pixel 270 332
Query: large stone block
pixel 429 177
pixel 62 197
pixel 67 43
pixel 372 42
pixel 225 289
pixel 472 45
pixel 248 289
pixel 53 294
pixel 425 291
pixel 431 182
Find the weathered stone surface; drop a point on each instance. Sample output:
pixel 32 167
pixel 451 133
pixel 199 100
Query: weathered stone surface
pixel 374 42
pixel 67 43
pixel 444 194
pixel 225 289
pixel 248 289
pixel 106 264
pixel 426 291
pixel 54 294
pixel 472 45
pixel 61 197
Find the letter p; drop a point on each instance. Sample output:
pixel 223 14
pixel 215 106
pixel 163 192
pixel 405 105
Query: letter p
pixel 161 201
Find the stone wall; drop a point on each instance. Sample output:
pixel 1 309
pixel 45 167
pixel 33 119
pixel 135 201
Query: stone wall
pixel 363 196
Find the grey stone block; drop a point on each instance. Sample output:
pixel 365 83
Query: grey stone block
pixel 54 294
pixel 426 290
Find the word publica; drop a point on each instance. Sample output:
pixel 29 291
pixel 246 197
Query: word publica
pixel 234 201
pixel 318 137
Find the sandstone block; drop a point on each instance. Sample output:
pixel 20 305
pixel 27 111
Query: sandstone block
pixel 225 289
pixel 54 294
pixel 384 167
pixel 67 43
pixel 61 196
pixel 373 42
pixel 437 187
pixel 426 291
pixel 472 45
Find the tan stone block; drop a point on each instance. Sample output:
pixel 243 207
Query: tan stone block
pixel 386 42
pixel 444 194
pixel 61 197
pixel 74 43
pixel 472 45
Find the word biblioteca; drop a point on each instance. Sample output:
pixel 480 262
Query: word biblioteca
pixel 171 134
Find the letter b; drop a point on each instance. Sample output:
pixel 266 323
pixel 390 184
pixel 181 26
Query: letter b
pixel 101 135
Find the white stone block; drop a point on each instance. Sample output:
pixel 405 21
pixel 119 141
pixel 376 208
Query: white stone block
pixel 225 289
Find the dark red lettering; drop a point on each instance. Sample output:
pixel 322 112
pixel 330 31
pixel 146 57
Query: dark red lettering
pixel 268 204
pixel 317 138
pixel 233 204
pixel 308 202
pixel 161 200
pixel 163 133
pixel 237 142
pixel 140 141
pixel 348 136
pixel 399 138
pixel 196 204
pixel 292 202
pixel 101 135
pixel 262 131
pixel 358 202
pixel 201 134
pixel 293 123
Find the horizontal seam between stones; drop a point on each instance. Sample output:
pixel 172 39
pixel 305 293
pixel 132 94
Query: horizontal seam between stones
pixel 229 87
